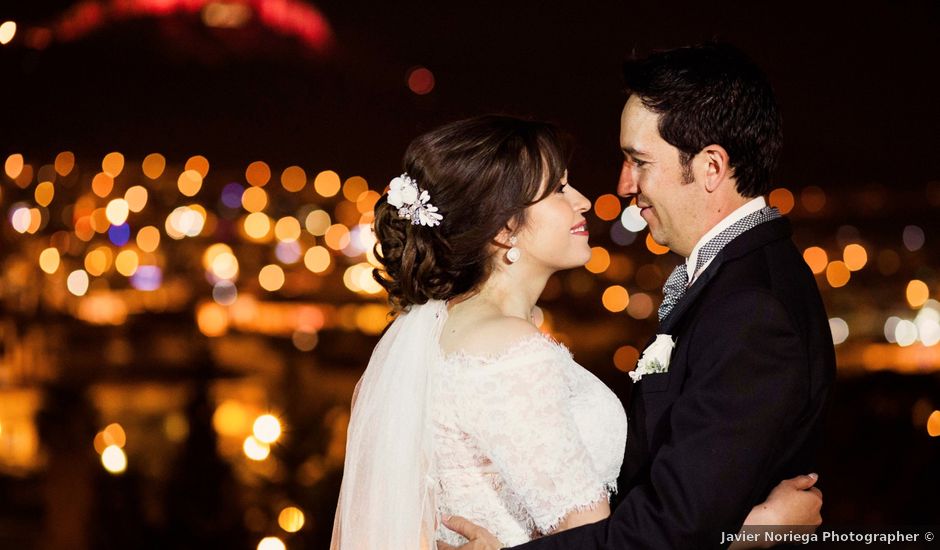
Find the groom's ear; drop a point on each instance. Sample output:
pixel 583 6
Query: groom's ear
pixel 718 169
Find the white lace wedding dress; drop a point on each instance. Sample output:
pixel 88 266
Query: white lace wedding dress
pixel 522 438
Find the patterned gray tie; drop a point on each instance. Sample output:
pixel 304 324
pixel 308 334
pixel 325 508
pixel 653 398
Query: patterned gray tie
pixel 678 281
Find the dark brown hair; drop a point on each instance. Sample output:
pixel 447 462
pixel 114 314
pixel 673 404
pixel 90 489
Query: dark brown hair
pixel 481 173
pixel 712 93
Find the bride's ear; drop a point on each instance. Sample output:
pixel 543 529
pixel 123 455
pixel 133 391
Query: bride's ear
pixel 502 238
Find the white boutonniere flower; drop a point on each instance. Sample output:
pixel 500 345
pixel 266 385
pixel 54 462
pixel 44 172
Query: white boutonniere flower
pixel 655 358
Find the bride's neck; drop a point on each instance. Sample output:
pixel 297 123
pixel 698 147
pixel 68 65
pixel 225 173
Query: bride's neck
pixel 512 292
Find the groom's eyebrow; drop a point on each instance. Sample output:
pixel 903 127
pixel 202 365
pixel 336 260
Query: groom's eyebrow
pixel 633 152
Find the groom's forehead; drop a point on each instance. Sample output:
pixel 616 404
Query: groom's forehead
pixel 638 125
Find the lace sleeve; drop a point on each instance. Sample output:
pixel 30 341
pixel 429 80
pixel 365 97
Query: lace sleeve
pixel 517 408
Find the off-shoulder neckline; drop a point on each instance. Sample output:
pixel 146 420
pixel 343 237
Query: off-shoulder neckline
pixel 511 349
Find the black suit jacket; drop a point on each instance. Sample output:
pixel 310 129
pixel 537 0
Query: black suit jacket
pixel 739 409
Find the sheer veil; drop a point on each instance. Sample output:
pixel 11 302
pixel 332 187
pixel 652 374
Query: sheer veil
pixel 387 496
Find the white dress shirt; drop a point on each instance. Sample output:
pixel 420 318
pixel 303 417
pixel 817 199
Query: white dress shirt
pixel 748 208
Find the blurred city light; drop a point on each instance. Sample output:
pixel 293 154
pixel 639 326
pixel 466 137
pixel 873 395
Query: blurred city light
pixel 291 519
pixel 267 428
pixel 7 32
pixel 114 459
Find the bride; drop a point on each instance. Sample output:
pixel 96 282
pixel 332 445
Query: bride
pixel 466 408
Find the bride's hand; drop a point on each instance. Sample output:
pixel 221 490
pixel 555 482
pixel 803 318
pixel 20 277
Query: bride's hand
pixel 478 538
pixel 794 503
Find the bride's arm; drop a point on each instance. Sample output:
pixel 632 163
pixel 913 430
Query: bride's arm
pixel 793 505
pixel 595 512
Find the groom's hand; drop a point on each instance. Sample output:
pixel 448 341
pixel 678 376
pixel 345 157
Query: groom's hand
pixel 478 538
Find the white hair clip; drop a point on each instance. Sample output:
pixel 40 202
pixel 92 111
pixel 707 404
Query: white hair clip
pixel 412 203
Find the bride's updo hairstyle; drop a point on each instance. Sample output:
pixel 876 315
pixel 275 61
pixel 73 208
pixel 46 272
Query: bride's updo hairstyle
pixel 481 173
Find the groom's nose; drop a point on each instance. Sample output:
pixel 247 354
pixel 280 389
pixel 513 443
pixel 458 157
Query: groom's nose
pixel 626 186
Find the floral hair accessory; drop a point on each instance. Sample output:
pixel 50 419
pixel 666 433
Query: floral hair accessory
pixel 412 203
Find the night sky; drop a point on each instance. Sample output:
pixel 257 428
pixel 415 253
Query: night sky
pixel 857 84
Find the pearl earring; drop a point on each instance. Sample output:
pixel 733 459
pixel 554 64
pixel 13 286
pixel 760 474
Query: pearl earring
pixel 514 253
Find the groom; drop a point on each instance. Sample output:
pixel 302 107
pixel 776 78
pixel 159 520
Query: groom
pixel 736 404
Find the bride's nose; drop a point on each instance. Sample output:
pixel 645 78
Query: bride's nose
pixel 580 202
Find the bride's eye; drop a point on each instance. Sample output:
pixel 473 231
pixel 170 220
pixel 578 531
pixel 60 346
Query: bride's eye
pixel 561 188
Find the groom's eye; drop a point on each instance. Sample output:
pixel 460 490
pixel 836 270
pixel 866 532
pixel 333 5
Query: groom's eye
pixel 639 163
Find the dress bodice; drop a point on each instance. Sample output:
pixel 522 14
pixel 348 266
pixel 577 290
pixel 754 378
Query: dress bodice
pixel 523 437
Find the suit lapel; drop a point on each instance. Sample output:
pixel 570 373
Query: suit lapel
pixel 743 244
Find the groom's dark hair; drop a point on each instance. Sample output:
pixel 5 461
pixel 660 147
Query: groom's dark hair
pixel 712 94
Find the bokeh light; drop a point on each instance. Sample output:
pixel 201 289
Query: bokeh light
pixel 49 260
pixel 271 277
pixel 64 163
pixel 625 358
pixel 420 80
pixel 117 211
pixel 905 333
pixel 258 173
pixel 913 237
pixel 317 222
pixel 148 238
pixel 13 166
pixel 837 274
pixel 44 193
pixel 291 519
pixel 267 428
pixel 655 247
pixel 153 166
pixel 600 260
pixel 933 424
pixel 254 199
pixel 254 449
pixel 271 543
pixel 189 183
pixel 317 259
pixel 337 237
pixel 136 198
pixel 607 207
pixel 917 293
pixel 257 226
pixel 127 262
pixel 855 257
pixel 354 187
pixel 287 229
pixel 813 199
pixel 640 306
pixel 293 178
pixel 113 164
pixel 102 184
pixel 77 282
pixel 7 32
pixel 632 220
pixel 212 319
pixel 114 460
pixel 198 163
pixel 839 329
pixel 782 199
pixel 327 183
pixel 230 418
pixel 615 298
pixel 225 293
pixel 816 258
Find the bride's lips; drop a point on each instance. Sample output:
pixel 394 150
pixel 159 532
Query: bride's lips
pixel 580 229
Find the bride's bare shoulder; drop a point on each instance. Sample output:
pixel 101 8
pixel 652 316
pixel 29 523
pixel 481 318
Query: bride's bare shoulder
pixel 486 334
